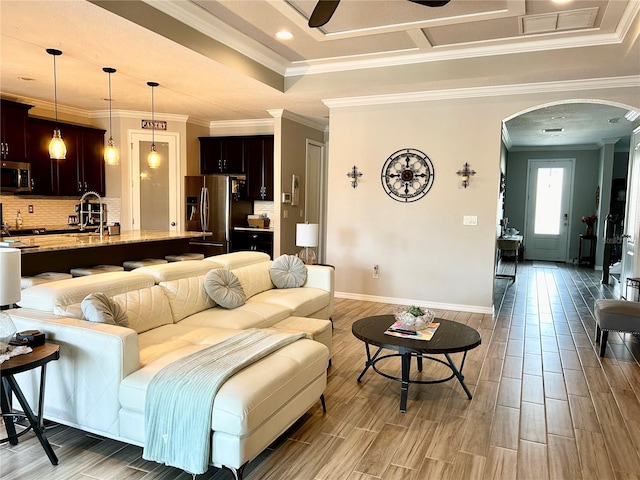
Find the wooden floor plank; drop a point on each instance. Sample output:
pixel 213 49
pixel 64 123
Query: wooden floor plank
pixel 545 405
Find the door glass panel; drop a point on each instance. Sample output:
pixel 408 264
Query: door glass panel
pixel 154 189
pixel 548 201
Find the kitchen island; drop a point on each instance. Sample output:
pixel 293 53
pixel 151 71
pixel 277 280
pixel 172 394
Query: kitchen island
pixel 60 253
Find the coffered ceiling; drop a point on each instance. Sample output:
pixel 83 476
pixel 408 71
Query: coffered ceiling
pixel 221 60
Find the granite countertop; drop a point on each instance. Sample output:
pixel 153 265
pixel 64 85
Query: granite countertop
pixel 254 229
pixel 70 241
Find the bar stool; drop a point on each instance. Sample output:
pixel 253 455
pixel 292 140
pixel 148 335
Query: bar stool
pixel 82 272
pixel 145 262
pixel 26 282
pixel 184 256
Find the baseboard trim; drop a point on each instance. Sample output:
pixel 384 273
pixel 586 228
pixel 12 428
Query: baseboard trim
pixel 419 303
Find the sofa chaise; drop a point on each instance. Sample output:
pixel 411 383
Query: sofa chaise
pixel 100 382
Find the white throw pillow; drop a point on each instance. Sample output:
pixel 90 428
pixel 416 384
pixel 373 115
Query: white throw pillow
pixel 224 288
pixel 97 307
pixel 288 271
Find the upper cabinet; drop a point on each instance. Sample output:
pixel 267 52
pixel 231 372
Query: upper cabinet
pixel 81 171
pixel 259 163
pixel 13 131
pixel 221 155
pixel 248 155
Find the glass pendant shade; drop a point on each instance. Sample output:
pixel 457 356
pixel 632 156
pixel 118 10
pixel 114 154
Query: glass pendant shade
pixel 153 159
pixel 57 148
pixel 111 155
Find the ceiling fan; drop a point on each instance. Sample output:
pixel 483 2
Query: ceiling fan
pixel 324 9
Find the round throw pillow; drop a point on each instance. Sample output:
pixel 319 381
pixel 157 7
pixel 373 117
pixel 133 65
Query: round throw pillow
pixel 224 288
pixel 97 307
pixel 288 271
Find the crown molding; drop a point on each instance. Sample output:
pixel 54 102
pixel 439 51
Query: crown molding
pixel 492 91
pixel 198 18
pixel 255 123
pixel 294 117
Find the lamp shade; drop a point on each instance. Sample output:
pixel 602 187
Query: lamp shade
pixel 307 234
pixel 10 272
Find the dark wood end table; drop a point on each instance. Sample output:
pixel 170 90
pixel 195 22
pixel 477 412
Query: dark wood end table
pixel 450 337
pixel 40 356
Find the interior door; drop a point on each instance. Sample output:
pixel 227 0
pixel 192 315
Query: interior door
pixel 155 192
pixel 630 257
pixel 548 209
pixel 314 191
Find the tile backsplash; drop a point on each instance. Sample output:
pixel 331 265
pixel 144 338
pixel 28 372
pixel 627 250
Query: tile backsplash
pixel 48 212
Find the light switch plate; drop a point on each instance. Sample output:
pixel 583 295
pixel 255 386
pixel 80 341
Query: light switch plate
pixel 470 220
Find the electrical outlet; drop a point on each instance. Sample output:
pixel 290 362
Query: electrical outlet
pixel 470 220
pixel 375 271
pixel 30 208
pixel 285 214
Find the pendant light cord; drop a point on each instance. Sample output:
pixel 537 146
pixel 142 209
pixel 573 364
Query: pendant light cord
pixel 110 127
pixel 55 88
pixel 153 121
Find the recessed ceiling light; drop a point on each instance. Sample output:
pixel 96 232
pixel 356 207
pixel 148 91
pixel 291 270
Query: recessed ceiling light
pixel 614 120
pixel 284 35
pixel 557 117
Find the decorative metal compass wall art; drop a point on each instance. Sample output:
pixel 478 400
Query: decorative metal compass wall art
pixel 407 175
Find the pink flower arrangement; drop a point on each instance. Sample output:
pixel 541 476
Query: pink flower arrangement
pixel 589 219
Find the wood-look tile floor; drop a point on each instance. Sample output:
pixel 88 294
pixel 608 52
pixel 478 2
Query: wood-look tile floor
pixel 545 406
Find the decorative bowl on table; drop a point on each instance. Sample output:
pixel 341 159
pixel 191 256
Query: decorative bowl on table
pixel 413 318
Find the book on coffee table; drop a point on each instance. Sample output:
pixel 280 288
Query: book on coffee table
pixel 396 330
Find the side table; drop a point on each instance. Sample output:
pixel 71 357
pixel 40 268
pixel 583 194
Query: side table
pixel 21 363
pixel 590 258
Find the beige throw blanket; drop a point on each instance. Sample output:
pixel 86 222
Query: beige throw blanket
pixel 179 401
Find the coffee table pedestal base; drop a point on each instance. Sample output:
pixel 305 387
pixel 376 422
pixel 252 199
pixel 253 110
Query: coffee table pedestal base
pixel 405 380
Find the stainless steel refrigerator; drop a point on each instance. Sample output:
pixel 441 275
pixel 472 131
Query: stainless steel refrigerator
pixel 215 204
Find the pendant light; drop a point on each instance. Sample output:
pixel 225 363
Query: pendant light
pixel 57 148
pixel 111 155
pixel 153 159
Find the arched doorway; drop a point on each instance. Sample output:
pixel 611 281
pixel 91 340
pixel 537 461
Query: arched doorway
pixel 597 137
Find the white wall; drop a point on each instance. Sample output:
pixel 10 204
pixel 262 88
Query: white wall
pixel 426 255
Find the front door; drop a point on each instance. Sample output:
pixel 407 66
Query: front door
pixel 547 210
pixel 631 261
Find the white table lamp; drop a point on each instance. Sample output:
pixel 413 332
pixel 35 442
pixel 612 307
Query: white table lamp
pixel 307 236
pixel 10 272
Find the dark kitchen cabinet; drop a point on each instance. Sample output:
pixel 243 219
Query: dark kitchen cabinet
pixel 13 131
pixel 258 159
pixel 81 171
pixel 221 155
pixel 252 240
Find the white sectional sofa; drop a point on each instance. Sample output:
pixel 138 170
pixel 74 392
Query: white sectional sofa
pixel 100 381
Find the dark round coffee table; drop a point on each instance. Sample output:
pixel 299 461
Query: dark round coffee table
pixel 450 337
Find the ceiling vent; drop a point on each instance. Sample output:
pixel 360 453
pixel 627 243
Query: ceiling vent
pixel 553 130
pixel 558 21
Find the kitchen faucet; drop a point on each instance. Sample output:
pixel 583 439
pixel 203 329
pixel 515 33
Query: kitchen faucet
pixel 82 223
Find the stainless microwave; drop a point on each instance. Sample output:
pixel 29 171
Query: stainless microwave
pixel 16 177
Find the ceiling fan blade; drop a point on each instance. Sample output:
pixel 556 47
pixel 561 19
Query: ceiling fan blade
pixel 431 3
pixel 323 12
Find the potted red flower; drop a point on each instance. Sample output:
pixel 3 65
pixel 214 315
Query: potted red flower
pixel 589 220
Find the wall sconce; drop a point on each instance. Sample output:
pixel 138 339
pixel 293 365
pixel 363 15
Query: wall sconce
pixel 354 174
pixel 465 173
